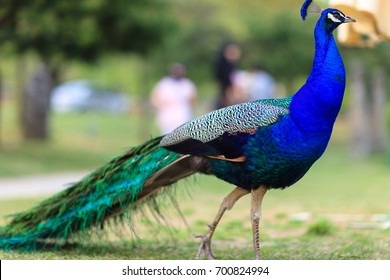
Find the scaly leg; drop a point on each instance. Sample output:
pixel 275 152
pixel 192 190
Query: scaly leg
pixel 227 204
pixel 257 199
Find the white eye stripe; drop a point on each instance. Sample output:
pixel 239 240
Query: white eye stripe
pixel 332 17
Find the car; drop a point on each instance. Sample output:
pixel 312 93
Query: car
pixel 86 96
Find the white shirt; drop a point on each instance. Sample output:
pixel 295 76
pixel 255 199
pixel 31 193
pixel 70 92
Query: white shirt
pixel 173 100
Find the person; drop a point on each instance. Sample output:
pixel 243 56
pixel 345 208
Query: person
pixel 173 97
pixel 224 70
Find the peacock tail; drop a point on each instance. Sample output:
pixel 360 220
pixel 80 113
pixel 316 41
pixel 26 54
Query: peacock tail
pixel 103 194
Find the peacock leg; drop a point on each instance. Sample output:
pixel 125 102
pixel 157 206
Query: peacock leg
pixel 256 201
pixel 227 204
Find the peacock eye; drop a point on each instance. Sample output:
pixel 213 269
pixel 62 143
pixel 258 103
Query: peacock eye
pixel 336 15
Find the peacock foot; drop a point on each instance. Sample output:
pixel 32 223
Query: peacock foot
pixel 205 246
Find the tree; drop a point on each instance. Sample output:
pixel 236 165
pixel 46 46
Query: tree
pixel 57 31
pixel 194 45
pixel 368 99
pixel 283 44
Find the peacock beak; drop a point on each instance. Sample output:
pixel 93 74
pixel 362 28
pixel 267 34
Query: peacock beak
pixel 349 19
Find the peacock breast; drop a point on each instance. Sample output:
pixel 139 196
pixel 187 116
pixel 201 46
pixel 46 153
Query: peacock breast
pixel 281 154
pixel 276 156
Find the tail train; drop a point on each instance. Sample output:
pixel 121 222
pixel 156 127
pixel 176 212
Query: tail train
pixel 126 181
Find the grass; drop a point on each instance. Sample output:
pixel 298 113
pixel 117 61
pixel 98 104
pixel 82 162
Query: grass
pixel 322 227
pixel 343 247
pixel 330 214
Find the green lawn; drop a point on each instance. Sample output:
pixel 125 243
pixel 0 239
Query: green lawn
pixel 338 202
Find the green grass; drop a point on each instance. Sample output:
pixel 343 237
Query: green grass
pixel 344 247
pixel 336 184
pixel 322 227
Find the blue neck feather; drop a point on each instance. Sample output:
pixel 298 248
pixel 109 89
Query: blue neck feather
pixel 315 106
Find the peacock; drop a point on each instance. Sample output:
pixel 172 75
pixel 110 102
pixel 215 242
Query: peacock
pixel 255 146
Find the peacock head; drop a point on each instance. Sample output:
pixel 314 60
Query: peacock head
pixel 331 17
pixel 334 18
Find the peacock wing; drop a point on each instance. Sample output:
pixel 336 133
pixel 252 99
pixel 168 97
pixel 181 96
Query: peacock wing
pixel 223 133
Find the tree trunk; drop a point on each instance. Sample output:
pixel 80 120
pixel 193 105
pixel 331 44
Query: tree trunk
pixel 359 112
pixel 378 120
pixel 36 104
pixel 1 108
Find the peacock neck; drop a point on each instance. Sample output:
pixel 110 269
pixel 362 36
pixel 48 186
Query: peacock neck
pixel 328 63
pixel 316 105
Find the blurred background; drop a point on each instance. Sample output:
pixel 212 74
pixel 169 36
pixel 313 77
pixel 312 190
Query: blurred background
pixel 76 79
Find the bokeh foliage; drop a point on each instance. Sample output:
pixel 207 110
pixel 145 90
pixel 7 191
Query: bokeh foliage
pixel 83 29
